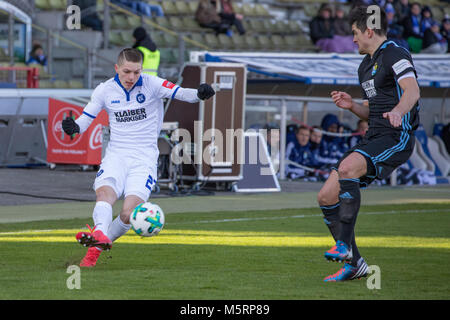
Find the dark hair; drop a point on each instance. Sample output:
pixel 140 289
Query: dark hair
pixel 130 55
pixel 35 48
pixel 360 15
pixel 302 127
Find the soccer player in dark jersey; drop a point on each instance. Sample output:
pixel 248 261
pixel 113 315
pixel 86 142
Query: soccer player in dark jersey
pixel 390 94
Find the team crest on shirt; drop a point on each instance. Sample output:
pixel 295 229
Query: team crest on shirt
pixel 374 69
pixel 369 88
pixel 140 98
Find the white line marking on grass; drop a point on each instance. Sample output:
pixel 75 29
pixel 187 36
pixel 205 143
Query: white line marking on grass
pixel 260 218
pixel 307 216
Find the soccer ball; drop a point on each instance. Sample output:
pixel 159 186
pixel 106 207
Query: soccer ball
pixel 147 219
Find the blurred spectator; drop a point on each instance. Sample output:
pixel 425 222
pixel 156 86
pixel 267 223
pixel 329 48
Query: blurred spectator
pixel 290 133
pixel 315 137
pixel 445 31
pixel 89 16
pixel 141 7
pixel 434 41
pixel 37 56
pixel 395 30
pixel 427 19
pixel 323 35
pixel 299 151
pixel 317 149
pixel 333 147
pixel 402 10
pixel 412 31
pixel 150 53
pixel 361 128
pixel 228 16
pixel 341 25
pixel 208 17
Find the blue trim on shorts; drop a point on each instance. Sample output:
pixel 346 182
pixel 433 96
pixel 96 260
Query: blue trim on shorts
pixel 404 138
pixel 350 179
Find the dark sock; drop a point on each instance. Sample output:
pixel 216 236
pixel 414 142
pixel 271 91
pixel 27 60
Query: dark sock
pixel 356 254
pixel 331 218
pixel 350 199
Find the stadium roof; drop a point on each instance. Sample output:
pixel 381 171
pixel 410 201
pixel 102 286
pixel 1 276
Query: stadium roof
pixel 433 70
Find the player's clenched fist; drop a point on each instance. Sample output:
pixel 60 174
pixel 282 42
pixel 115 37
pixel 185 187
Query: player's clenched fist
pixel 205 91
pixel 70 126
pixel 342 99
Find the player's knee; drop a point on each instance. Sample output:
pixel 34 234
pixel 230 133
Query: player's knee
pixel 346 170
pixel 321 198
pixel 106 194
pixel 326 198
pixel 125 216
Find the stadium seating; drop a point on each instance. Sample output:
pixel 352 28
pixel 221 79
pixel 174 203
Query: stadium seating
pixel 274 26
pixel 427 156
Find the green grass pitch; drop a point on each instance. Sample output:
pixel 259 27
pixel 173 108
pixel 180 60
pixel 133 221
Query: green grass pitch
pixel 234 255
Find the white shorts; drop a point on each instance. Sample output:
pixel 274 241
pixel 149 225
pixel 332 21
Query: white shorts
pixel 126 175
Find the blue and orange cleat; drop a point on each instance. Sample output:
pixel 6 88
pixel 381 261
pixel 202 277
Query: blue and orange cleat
pixel 94 238
pixel 349 272
pixel 91 257
pixel 340 253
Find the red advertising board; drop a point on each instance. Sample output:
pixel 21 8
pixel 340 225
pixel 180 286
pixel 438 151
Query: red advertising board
pixel 83 149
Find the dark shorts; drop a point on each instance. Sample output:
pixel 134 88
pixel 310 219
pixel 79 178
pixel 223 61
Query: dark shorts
pixel 384 152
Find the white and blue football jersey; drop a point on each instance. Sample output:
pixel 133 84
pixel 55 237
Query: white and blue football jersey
pixel 135 116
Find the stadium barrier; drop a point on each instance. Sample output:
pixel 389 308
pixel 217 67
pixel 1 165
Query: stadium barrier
pixel 19 77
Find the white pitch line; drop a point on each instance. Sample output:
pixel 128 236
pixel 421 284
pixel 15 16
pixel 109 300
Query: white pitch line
pixel 261 218
pixel 307 216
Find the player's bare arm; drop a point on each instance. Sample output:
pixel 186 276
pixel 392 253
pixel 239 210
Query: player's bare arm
pixel 410 96
pixel 345 101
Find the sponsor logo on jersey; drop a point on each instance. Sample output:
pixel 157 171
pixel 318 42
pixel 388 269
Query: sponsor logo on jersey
pixel 115 101
pixel 369 88
pixel 130 115
pixel 140 98
pixel 168 84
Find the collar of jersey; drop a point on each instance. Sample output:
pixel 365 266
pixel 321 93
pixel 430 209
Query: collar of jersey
pixel 127 93
pixel 381 47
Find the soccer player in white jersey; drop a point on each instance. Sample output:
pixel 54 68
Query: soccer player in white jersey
pixel 133 101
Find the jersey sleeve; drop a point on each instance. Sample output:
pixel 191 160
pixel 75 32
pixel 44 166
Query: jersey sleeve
pixel 363 92
pixel 399 62
pixel 167 89
pixel 92 109
pixel 163 88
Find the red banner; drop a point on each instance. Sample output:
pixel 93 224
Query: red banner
pixel 83 149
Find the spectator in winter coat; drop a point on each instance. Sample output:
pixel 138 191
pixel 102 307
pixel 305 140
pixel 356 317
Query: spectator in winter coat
pixel 434 41
pixel 323 33
pixel 445 31
pixel 300 153
pixel 361 128
pixel 413 33
pixel 333 147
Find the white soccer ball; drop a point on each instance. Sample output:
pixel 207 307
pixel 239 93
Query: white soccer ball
pixel 147 219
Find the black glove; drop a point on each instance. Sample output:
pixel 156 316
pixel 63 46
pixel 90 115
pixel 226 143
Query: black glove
pixel 70 126
pixel 205 91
